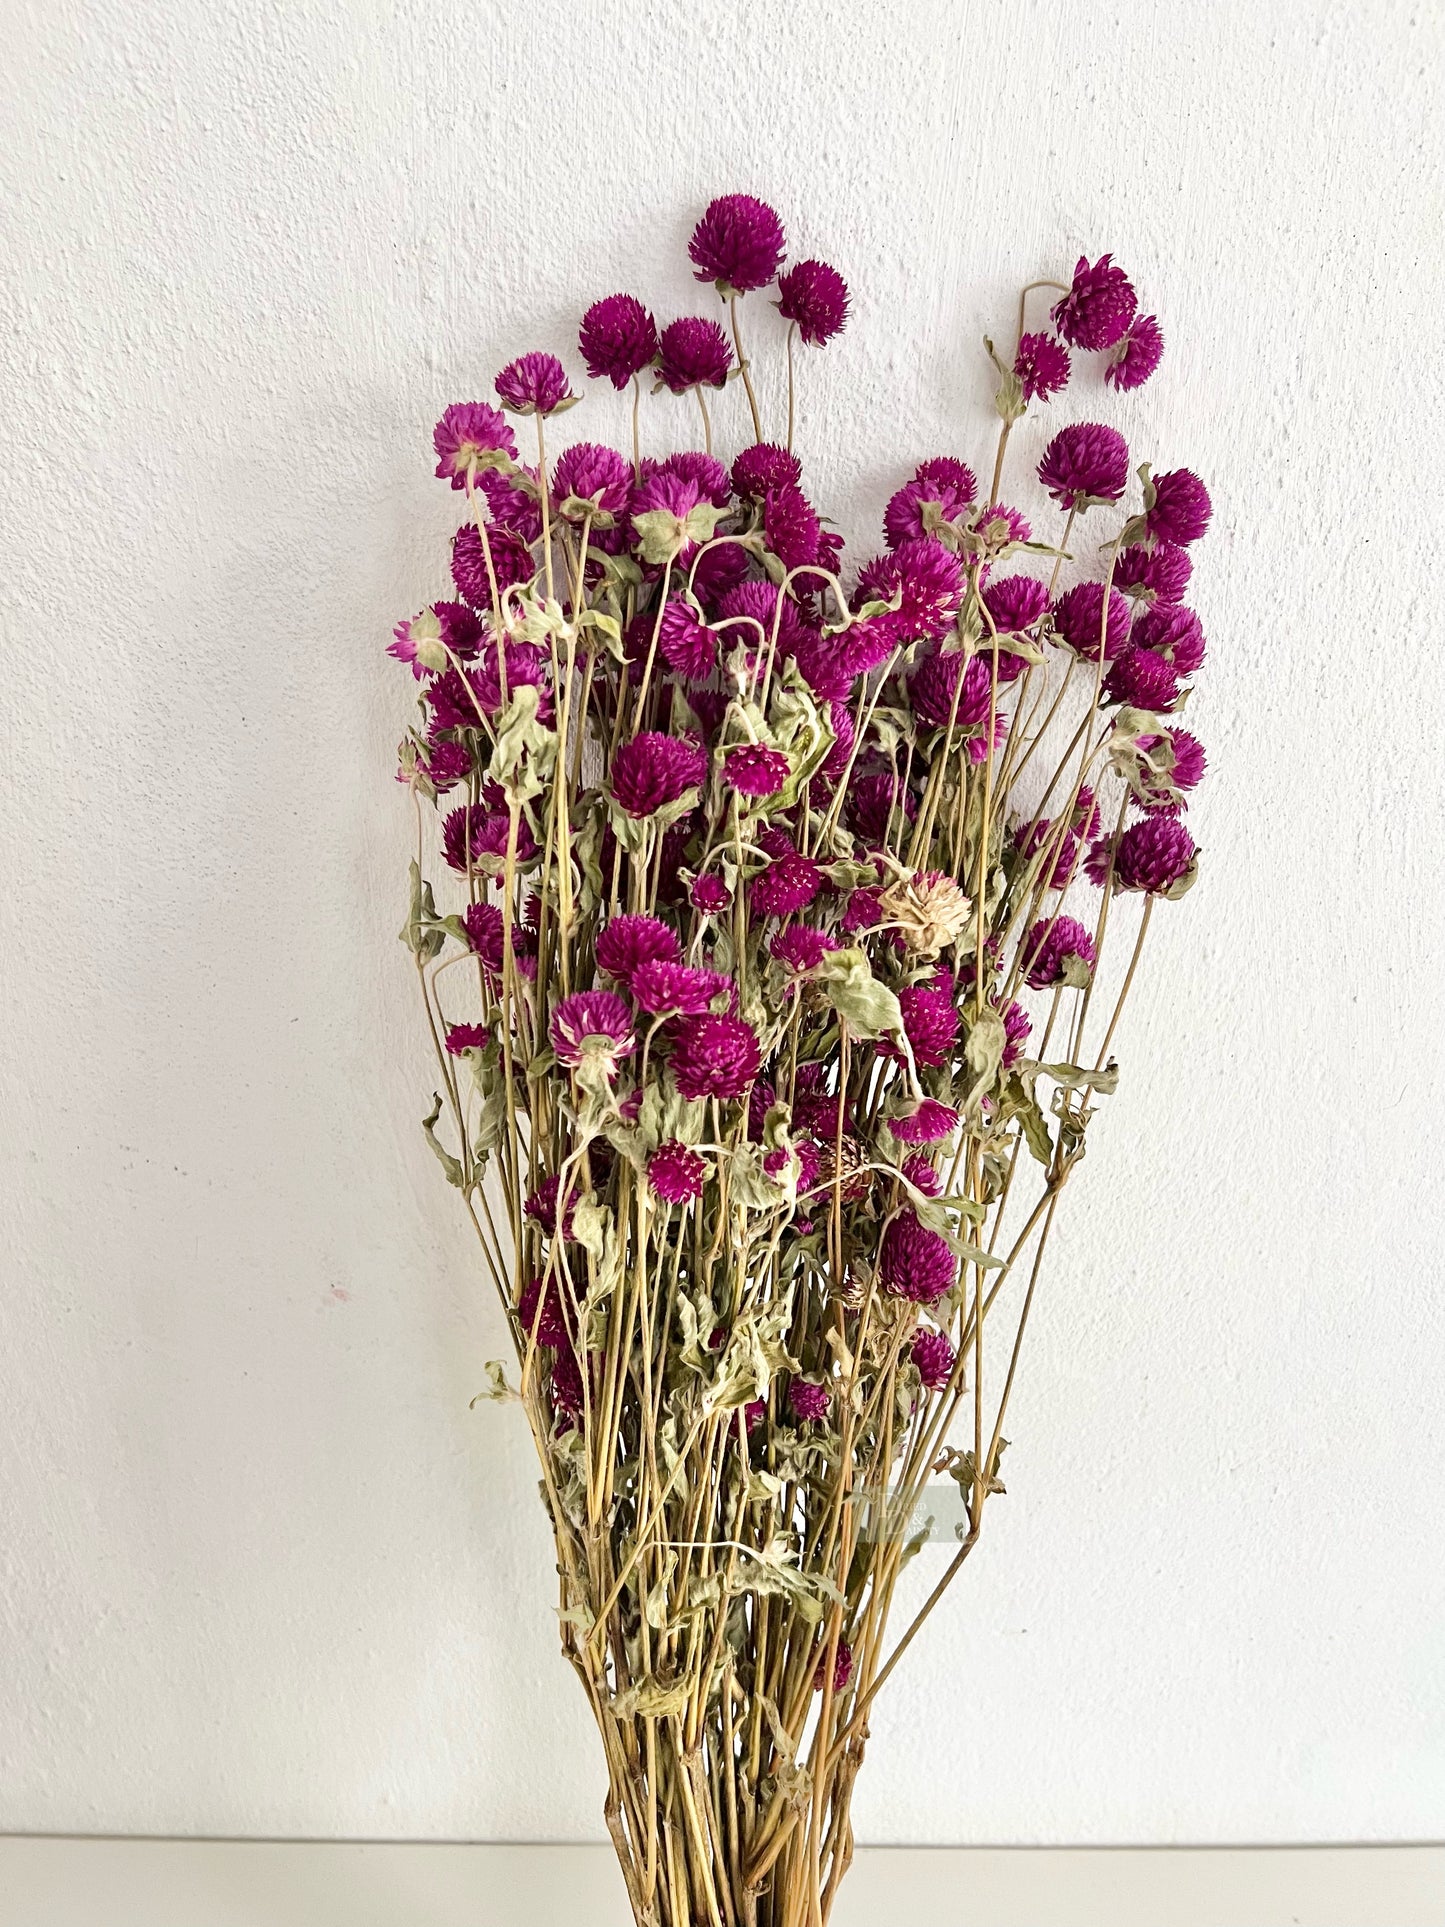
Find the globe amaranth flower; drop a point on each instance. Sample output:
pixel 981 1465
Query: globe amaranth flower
pixel 512 563
pixel 752 770
pixel 917 1167
pixel 665 989
pixel 706 471
pixel 930 1023
pixel 927 1123
pixel 1099 306
pixel 789 883
pixel 592 483
pixel 809 1401
pixel 629 941
pixel 801 948
pixel 534 384
pixel 526 662
pixel 1084 463
pixel 934 1356
pixel 871 802
pixel 541 1207
pixel 935 697
pixel 653 770
pixel 1016 1027
pixel 1153 575
pixel 513 501
pixel 473 832
pixel 1188 767
pixel 1154 854
pixel 1065 846
pixel 791 527
pixel 445 764
pixel 540 1315
pixel 463 1037
pixel 592 1023
pixel 471 435
pixel 1143 679
pixel 1181 508
pixel 996 527
pixel 738 244
pixel 845 734
pixel 920 509
pixel 814 296
pixel 1015 603
pixel 914 1262
pixel 618 338
pixel 1056 950
pixel 428 641
pixel 709 894
pixel 751 609
pixel 675 1173
pixel 1081 621
pixel 862 912
pixel 693 353
pixel 486 934
pixel 1136 355
pixel 565 1384
pixel 717 569
pixel 1173 632
pixel 1042 366
pixel 685 642
pixel 715 1057
pixel 842 1667
pixel 762 467
pixel 924 579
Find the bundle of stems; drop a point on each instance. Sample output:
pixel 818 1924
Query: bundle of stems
pixel 760 889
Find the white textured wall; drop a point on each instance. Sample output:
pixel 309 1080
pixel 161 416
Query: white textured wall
pixel 260 1568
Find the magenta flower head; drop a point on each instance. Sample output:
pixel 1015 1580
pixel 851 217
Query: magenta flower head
pixel 592 1024
pixel 630 941
pixel 675 1173
pixel 511 563
pixel 930 1023
pixel 654 770
pixel 1085 463
pixel 750 610
pixel 1057 951
pixel 543 1314
pixel 762 467
pixel 1042 366
pixel 737 245
pixel 1098 307
pixel 923 508
pixel 789 883
pixel 808 1400
pixel 751 770
pixel 472 435
pixel 675 989
pixel 685 642
pixel 710 895
pixel 511 503
pixel 1136 355
pixel 1189 766
pixel 916 1263
pixel 592 481
pixel 463 1037
pixel 996 527
pixel 618 339
pixel 1157 855
pixel 791 527
pixel 924 580
pixel 800 948
pixel 1174 632
pixel 1181 507
pixel 1153 575
pixel 934 1357
pixel 534 385
pixel 814 296
pixel 842 1667
pixel 1080 621
pixel 693 353
pixel 917 1167
pixel 706 471
pixel 927 1123
pixel 1015 603
pixel 715 1057
pixel 1143 679
pixel 1016 1027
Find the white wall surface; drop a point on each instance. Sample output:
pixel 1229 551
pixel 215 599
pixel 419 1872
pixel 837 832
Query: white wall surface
pixel 261 1570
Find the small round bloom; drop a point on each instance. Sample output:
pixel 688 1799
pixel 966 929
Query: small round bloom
pixel 534 384
pixel 710 894
pixel 486 933
pixel 815 296
pixel 512 563
pixel 1175 633
pixel 592 1023
pixel 653 770
pixel 1080 621
pixel 872 801
pixel 706 471
pixel 1136 354
pixel 1085 462
pixel 1015 603
pixel 738 244
pixel 762 467
pixel 947 471
pixel 473 832
pixel 808 1400
pixel 751 609
pixel 715 1057
pixel 1098 307
pixel 693 353
pixel 917 509
pixel 565 1383
pixel 996 527
pixel 462 1037
pixel 1153 575
pixel 789 883
pixel 1016 1027
pixel 618 338
pixel 665 989
pixel 933 687
pixel 930 1023
pixel 541 1207
pixel 1189 767
pixel 1153 855
pixel 926 579
pixel 526 662
pixel 513 501
pixel 719 567
pixel 543 1315
pixel 685 642
pixel 934 1356
pixel 445 764
pixel 675 1173
pixel 791 527
pixel 1142 679
pixel 862 912
pixel 470 435
pixel 918 1168
pixel 1181 508
pixel 845 734
pixel 927 1123
pixel 801 948
pixel 842 1667
pixel 590 473
pixel 914 1262
pixel 752 770
pixel 1042 366
pixel 1051 946
pixel 629 941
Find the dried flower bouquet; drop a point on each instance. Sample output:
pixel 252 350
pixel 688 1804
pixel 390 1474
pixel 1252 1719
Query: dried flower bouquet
pixel 770 1010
